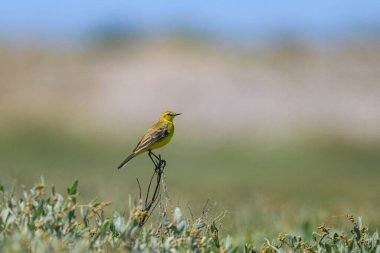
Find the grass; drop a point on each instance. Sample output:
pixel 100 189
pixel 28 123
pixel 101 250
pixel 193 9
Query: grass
pixel 39 221
pixel 266 187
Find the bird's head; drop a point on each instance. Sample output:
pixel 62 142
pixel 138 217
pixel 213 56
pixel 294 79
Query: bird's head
pixel 169 116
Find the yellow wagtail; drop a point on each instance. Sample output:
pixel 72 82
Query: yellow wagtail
pixel 157 136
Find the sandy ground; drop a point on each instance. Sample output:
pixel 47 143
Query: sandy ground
pixel 283 90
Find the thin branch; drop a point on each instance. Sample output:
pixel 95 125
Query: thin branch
pixel 138 182
pixel 191 213
pixel 152 200
pixel 204 208
pixel 148 191
pixel 154 207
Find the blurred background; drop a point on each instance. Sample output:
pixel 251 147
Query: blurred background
pixel 280 103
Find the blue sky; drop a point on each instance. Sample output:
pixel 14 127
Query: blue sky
pixel 73 17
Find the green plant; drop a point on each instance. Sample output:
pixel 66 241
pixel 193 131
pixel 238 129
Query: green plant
pixel 38 221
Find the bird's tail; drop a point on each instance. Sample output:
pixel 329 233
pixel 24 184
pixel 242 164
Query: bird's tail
pixel 126 161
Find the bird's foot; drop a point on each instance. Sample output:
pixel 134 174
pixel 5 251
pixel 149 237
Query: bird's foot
pixel 158 162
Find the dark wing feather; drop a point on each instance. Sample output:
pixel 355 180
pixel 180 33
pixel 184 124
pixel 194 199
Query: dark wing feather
pixel 151 138
pixel 155 134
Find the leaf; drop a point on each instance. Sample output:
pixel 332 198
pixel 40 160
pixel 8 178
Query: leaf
pixel 177 214
pixel 38 212
pixel 94 203
pixel 164 221
pixel 322 240
pixel 181 226
pixel 119 223
pixel 314 236
pixel 199 226
pixel 360 222
pixel 4 215
pixel 375 238
pixel 105 226
pixel 1 188
pixel 213 228
pixel 73 189
pixel 167 242
pixel 328 248
pixel 357 233
pixel 71 215
pixel 335 238
pixel 228 242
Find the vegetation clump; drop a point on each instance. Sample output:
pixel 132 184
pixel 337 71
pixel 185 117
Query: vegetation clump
pixel 38 221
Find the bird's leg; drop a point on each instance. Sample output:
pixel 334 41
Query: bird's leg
pixel 155 156
pixel 158 162
pixel 162 162
pixel 155 162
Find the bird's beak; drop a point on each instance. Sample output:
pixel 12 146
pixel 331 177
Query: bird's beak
pixel 177 114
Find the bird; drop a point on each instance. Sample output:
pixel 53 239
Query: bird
pixel 156 137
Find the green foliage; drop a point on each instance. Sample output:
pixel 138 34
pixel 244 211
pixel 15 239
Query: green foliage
pixel 50 222
pixel 268 186
pixel 41 222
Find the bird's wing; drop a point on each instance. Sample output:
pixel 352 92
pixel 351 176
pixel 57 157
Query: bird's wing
pixel 155 134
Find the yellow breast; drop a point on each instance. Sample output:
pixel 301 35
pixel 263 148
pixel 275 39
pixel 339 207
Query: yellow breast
pixel 166 139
